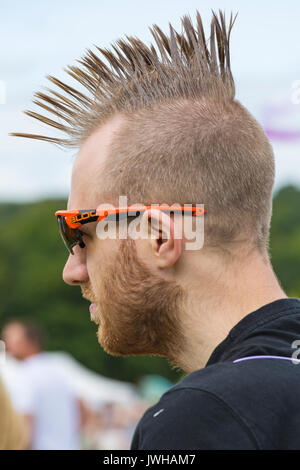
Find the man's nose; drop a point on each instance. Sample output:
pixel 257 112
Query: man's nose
pixel 75 270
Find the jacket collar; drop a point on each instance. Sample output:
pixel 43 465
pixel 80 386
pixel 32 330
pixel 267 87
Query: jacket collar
pixel 271 329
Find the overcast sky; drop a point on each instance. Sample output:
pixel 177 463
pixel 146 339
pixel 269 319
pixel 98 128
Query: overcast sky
pixel 42 37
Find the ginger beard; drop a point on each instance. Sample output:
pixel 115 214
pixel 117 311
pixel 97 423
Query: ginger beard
pixel 138 311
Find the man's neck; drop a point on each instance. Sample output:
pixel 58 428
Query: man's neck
pixel 213 310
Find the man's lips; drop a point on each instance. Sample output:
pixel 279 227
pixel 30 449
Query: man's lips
pixel 93 308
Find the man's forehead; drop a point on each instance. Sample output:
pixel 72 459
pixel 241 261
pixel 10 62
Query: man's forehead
pixel 88 169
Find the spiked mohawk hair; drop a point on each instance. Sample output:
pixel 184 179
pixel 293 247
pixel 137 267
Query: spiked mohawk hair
pixel 185 138
pixel 136 76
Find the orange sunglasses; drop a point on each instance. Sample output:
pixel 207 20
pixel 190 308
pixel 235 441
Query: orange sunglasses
pixel 70 221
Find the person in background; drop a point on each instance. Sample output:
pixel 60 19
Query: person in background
pixel 42 395
pixel 13 431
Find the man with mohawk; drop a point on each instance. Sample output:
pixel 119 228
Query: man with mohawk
pixel 161 125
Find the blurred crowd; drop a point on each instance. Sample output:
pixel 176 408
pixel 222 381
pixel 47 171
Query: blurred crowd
pixel 47 401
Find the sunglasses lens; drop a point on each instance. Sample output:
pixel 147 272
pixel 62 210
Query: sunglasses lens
pixel 67 234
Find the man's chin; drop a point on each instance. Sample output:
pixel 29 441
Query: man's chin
pixel 105 342
pixel 113 345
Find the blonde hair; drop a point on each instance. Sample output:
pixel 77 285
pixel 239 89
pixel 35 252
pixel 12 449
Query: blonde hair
pixel 186 138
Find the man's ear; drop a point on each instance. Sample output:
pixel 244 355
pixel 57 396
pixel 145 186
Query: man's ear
pixel 166 246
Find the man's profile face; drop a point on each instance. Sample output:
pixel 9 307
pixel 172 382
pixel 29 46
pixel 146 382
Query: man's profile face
pixel 136 310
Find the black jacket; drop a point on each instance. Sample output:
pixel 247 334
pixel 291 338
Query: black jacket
pixel 249 404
